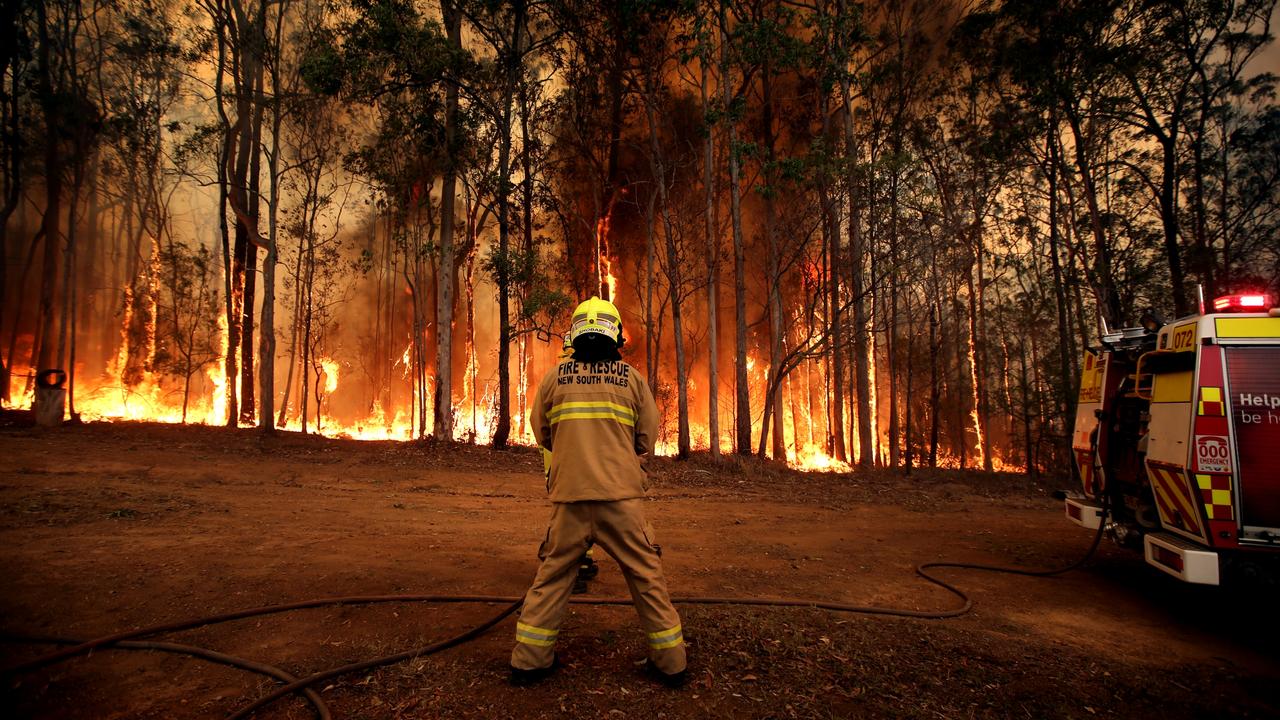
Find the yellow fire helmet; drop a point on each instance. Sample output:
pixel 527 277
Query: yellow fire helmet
pixel 566 350
pixel 597 316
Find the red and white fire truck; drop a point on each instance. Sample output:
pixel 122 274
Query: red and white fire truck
pixel 1177 440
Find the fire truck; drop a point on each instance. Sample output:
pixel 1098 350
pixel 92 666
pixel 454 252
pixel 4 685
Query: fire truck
pixel 1177 440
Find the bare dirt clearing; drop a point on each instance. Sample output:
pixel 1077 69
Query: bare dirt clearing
pixel 110 527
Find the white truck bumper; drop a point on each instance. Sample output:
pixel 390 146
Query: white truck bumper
pixel 1186 561
pixel 1084 513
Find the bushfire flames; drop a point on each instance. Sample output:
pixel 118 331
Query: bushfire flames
pixel 160 398
pixel 122 393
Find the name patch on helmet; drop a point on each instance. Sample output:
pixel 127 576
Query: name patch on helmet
pixel 614 373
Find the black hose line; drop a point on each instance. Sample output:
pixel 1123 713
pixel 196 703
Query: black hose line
pixel 124 639
pixel 296 685
pixel 318 704
pixel 90 645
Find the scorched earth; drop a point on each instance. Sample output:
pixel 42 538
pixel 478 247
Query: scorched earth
pixel 110 527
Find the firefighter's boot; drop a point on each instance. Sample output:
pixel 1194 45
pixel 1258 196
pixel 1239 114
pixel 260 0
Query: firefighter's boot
pixel 675 681
pixel 524 678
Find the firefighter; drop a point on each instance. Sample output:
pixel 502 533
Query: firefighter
pixel 597 415
pixel 587 568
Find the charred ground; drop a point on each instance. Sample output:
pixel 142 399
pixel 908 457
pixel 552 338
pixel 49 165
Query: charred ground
pixel 106 527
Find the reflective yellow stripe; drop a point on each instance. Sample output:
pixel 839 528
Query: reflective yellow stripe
pixel 1256 327
pixel 532 635
pixel 591 405
pixel 664 639
pixel 591 410
pixel 580 415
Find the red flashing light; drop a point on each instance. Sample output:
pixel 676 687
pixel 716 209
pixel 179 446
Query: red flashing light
pixel 1241 303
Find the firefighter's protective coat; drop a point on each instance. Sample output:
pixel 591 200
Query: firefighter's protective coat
pixel 597 419
pixel 596 460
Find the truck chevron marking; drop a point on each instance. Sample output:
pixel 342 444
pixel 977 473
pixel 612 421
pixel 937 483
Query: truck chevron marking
pixel 1167 481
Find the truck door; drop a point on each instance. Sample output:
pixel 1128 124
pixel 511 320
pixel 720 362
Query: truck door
pixel 1253 389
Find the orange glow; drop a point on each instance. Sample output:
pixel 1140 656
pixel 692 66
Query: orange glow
pixel 330 374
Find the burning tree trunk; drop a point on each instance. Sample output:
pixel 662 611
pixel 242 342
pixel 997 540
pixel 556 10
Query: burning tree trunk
pixel 977 355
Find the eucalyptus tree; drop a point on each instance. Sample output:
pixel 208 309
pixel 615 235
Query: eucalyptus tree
pixel 391 56
pixel 513 33
pixel 15 66
pixel 1184 66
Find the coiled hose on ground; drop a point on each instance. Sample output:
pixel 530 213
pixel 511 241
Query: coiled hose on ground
pixel 127 640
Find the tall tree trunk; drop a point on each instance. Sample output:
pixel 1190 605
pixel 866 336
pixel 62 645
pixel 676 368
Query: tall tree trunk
pixel 674 282
pixel 443 421
pixel 294 333
pixel 836 374
pixel 861 370
pixel 713 269
pixel 13 150
pixel 1169 222
pixel 891 330
pixel 225 158
pixel 50 228
pixel 773 270
pixel 248 400
pixel 935 390
pixel 1066 348
pixel 907 457
pixel 267 339
pixel 1025 389
pixel 66 330
pixel 502 430
pixel 652 333
pixel 742 391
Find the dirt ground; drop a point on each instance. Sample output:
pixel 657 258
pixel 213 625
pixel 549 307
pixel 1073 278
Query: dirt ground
pixel 111 527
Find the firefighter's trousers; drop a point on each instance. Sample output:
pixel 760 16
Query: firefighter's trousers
pixel 620 528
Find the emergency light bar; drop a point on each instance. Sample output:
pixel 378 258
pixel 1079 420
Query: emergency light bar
pixel 1241 303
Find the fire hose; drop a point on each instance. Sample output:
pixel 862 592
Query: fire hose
pixel 127 640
